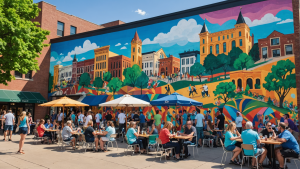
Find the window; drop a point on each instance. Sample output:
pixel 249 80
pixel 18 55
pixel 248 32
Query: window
pixel 29 74
pixel 187 70
pixel 62 75
pixel 240 33
pixel 232 35
pixel 210 48
pixel 142 65
pixel 119 64
pixel 116 73
pixel 227 36
pixel 114 64
pixel 276 52
pixel 241 42
pixel 219 38
pixel 288 49
pixel 183 70
pixel 191 60
pixel 224 47
pixel 265 52
pixel 123 63
pixel 18 74
pixel 147 65
pixel 66 74
pixel 187 61
pixel 203 49
pixel 233 44
pixel 139 50
pixel 275 41
pixel 119 73
pixel 182 61
pixel 211 39
pixel 60 29
pixel 151 64
pixel 223 37
pixel 111 65
pixel 133 58
pixel 133 49
pixel 217 49
pixel 203 41
pixel 150 72
pixel 73 30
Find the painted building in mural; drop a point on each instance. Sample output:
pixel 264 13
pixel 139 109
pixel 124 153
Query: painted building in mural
pixel 237 52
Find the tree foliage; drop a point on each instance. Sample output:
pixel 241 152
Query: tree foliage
pixel 197 70
pixel 254 52
pixel 243 61
pixel 224 62
pixel 21 40
pixel 234 54
pixel 107 76
pixel 98 83
pixel 281 79
pixel 131 74
pixel 211 63
pixel 114 85
pixel 85 79
pixel 142 81
pixel 225 91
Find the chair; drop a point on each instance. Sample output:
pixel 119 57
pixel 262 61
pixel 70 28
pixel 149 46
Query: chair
pixel 61 141
pixel 114 136
pixel 194 145
pixel 207 140
pixel 130 146
pixel 152 141
pixel 37 138
pixel 291 158
pixel 87 144
pixel 249 147
pixel 162 149
pixel 225 152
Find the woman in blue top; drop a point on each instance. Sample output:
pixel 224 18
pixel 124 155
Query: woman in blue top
pixel 230 142
pixel 24 129
pixel 132 137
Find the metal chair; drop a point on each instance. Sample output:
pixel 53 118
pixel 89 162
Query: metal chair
pixel 208 139
pixel 61 141
pixel 249 147
pixel 131 146
pixel 291 158
pixel 37 138
pixel 152 141
pixel 114 136
pixel 225 152
pixel 194 145
pixel 162 149
pixel 87 144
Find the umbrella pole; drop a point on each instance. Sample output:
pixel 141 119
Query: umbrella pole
pixel 63 117
pixel 126 120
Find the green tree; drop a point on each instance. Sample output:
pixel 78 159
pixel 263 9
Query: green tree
pixel 254 52
pixel 281 79
pixel 197 70
pixel 224 62
pixel 21 40
pixel 234 54
pixel 50 86
pixel 107 76
pixel 243 61
pixel 142 81
pixel 98 83
pixel 85 79
pixel 131 74
pixel 247 89
pixel 225 91
pixel 211 63
pixel 115 85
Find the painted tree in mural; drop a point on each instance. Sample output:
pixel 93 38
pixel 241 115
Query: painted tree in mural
pixel 131 74
pixel 107 76
pixel 254 52
pixel 21 40
pixel 243 61
pixel 197 70
pixel 114 85
pixel 224 62
pixel 98 83
pixel 142 81
pixel 50 86
pixel 234 54
pixel 225 91
pixel 84 80
pixel 211 63
pixel 281 79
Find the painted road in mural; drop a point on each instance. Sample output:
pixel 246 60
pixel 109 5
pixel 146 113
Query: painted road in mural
pixel 240 57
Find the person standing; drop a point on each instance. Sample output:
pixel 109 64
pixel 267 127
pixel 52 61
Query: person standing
pixel 184 117
pixel 142 120
pixel 60 117
pixel 53 116
pixel 24 129
pixel 9 124
pixel 239 122
pixel 205 88
pixel 199 121
pixel 2 121
pixel 88 118
pixel 80 119
pixel 108 117
pixel 98 118
pixel 190 90
pixel 121 118
pixel 157 121
pixel 73 117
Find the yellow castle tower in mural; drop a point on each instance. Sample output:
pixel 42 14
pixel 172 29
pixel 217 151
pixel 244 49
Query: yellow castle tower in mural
pixel 223 41
pixel 55 76
pixel 136 50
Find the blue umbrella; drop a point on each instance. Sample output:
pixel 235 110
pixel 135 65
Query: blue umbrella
pixel 175 99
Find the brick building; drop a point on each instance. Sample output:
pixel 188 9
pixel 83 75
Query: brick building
pixel 86 66
pixel 169 65
pixel 117 64
pixel 30 89
pixel 276 44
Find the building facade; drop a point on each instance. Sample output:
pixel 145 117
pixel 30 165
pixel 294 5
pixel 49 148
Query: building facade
pixel 223 41
pixel 187 60
pixel 150 64
pixel 136 50
pixel 102 56
pixel 276 44
pixel 169 66
pixel 117 64
pixel 65 74
pixel 86 66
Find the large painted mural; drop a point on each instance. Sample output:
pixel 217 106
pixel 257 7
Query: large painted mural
pixel 241 58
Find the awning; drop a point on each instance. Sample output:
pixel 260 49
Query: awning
pixel 94 100
pixel 21 96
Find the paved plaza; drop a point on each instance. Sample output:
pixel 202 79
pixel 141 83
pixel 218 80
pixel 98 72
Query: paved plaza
pixel 50 156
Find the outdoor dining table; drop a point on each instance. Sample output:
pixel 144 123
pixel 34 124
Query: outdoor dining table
pixel 272 143
pixel 52 131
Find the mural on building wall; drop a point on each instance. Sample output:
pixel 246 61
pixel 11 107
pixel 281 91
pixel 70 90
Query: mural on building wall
pixel 240 58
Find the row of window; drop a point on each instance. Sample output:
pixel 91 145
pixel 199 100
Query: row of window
pixel 139 50
pixel 276 52
pixel 66 74
pixel 148 73
pixel 87 69
pixel 224 47
pixel 61 29
pixel 114 73
pixel 102 57
pixel 146 65
pixel 187 61
pixel 99 74
pixel 20 75
pixel 101 65
pixel 219 38
pixel 185 70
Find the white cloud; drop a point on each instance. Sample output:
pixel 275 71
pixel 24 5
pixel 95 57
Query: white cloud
pixel 118 44
pixel 82 58
pixel 87 45
pixel 52 59
pixel 141 12
pixel 124 47
pixel 59 62
pixel 61 54
pixel 126 44
pixel 286 21
pixel 268 18
pixel 185 31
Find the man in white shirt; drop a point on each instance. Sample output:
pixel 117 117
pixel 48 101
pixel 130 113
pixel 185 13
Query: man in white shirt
pixel 98 118
pixel 9 124
pixel 199 120
pixel 80 119
pixel 121 118
pixel 205 88
pixel 88 118
pixel 239 122
pixel 59 117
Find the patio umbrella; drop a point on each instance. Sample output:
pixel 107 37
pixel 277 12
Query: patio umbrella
pixel 63 102
pixel 175 99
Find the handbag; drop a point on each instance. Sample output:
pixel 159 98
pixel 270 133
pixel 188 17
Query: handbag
pixel 17 129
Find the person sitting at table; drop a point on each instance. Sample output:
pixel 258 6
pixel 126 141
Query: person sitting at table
pixel 267 132
pixel 41 130
pixel 48 125
pixel 190 130
pixel 289 146
pixel 210 128
pixel 132 137
pixel 165 136
pixel 109 131
pixel 292 126
pixel 90 134
pixel 266 120
pixel 152 130
pixel 251 137
pixel 67 134
pixel 231 144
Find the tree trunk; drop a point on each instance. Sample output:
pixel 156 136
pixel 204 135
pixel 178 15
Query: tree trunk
pixel 212 76
pixel 281 99
pixel 199 78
